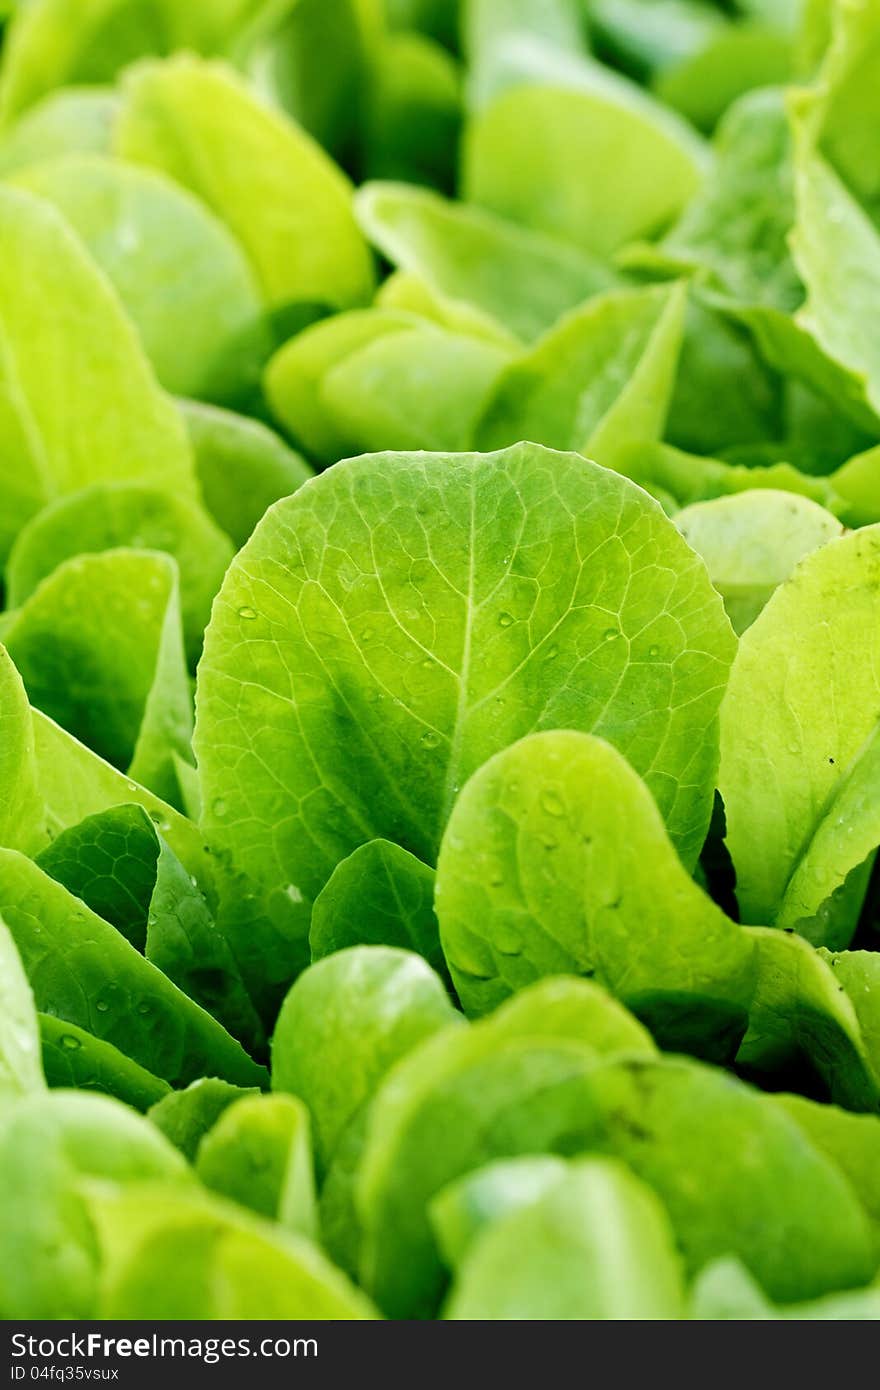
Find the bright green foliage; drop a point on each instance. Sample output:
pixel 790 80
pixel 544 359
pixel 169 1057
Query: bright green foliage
pixel 75 1059
pixel 99 645
pixel 182 278
pixel 20 1070
pixel 519 277
pixel 599 1246
pixel 259 1154
pixel 56 430
pixel 668 1119
pixel 49 1144
pixel 852 1141
pixel 413 111
pixel 112 516
pixel 21 808
pixel 243 467
pixel 439 681
pixel 379 896
pixel 797 784
pixel 751 542
pixel 85 972
pixel 434 609
pixel 71 121
pixel 284 200
pixel 467 1207
pixel 800 1012
pixel 119 865
pixel 599 382
pixel 368 1006
pixel 552 115
pixel 556 859
pixel 355 383
pixel 167 1253
pixel 186 1116
pixel 73 783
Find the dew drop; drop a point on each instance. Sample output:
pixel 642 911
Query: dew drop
pixel 549 842
pixel 219 808
pixel 552 803
pixel 294 893
pixel 247 614
pixel 143 1007
pixel 611 634
pixel 653 652
pixel 70 1042
pixel 366 634
pixel 505 619
pixel 102 1006
pixel 429 739
pixel 552 654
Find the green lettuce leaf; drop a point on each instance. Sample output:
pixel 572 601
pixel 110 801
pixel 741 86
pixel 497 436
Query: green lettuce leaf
pixel 752 541
pixel 183 280
pixel 413 112
pixel 798 1013
pixel 278 49
pixel 73 782
pixel 521 278
pixel 53 43
pixel 20 1069
pixel 439 1115
pixel 83 971
pixel 259 1154
pixel 74 120
pixel 57 431
pixel 120 515
pixel 556 860
pixel 597 1245
pixel 461 1212
pixel 49 1263
pixel 367 1007
pixel 419 612
pixel 186 1116
pixel 76 1060
pixel 21 803
pixel 798 784
pixel 600 382
pixel 168 1253
pixel 242 466
pixel 851 1141
pixel 99 645
pixel 381 895
pixel 282 197
pixel 553 115
pixel 118 864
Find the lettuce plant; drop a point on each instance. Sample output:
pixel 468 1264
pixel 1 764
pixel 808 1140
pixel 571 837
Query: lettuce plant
pixel 439 697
